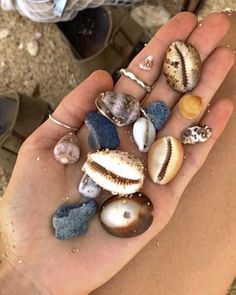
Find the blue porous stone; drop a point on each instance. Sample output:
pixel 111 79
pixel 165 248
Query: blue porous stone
pixel 72 220
pixel 159 113
pixel 103 133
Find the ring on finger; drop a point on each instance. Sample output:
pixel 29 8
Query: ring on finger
pixel 58 123
pixel 128 74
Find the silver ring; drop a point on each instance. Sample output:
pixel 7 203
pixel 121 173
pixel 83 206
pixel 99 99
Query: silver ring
pixel 61 124
pixel 132 76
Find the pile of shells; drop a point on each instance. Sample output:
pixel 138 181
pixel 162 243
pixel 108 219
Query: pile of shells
pixel 128 212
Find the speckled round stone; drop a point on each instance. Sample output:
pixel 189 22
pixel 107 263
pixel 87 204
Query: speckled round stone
pixel 102 132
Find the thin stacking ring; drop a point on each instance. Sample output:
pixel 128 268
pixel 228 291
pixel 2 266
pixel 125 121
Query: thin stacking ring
pixel 61 124
pixel 132 76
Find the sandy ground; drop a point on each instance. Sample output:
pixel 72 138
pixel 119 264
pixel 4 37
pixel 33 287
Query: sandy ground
pixel 50 74
pixel 35 59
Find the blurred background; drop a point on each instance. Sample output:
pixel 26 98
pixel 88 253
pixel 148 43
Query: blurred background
pixel 48 47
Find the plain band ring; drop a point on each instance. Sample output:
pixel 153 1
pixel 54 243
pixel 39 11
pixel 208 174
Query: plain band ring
pixel 61 124
pixel 132 76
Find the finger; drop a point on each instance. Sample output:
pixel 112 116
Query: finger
pixel 195 155
pixel 214 72
pixel 179 27
pixel 205 38
pixel 73 108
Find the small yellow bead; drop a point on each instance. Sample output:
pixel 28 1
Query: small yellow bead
pixel 190 106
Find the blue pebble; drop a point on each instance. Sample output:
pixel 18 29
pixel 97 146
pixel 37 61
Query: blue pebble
pixel 102 132
pixel 159 113
pixel 72 220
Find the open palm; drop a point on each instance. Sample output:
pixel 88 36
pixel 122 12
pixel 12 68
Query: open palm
pixel 39 184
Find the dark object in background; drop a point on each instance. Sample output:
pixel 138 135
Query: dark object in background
pixel 89 31
pixel 103 38
pixel 19 117
pixel 175 6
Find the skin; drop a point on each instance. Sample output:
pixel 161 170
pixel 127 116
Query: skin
pixel 33 260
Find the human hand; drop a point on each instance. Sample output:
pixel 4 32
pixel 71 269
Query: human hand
pixel 34 260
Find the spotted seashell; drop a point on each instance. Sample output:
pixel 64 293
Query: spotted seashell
pixel 88 188
pixel 67 150
pixel 165 158
pixel 115 171
pixel 196 134
pixel 144 134
pixel 119 108
pixel 126 216
pixel 182 66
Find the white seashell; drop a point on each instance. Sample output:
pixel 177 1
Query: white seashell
pixel 88 187
pixel 115 171
pixel 67 150
pixel 4 33
pixel 33 48
pixel 144 134
pixel 196 134
pixel 165 158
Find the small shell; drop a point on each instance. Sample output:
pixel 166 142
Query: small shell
pixel 4 33
pixel 182 66
pixel 115 171
pixel 144 134
pixel 147 64
pixel 196 134
pixel 33 48
pixel 67 150
pixel 165 158
pixel 126 216
pixel 121 109
pixel 190 106
pixel 88 188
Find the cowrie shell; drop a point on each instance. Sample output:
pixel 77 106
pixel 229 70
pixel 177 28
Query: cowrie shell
pixel 115 171
pixel 121 109
pixel 144 134
pixel 182 66
pixel 165 158
pixel 126 216
pixel 67 150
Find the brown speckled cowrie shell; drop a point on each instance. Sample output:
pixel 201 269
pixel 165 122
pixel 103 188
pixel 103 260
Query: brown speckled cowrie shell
pixel 121 109
pixel 126 216
pixel 182 66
